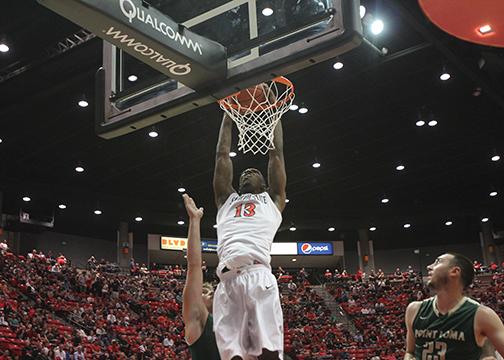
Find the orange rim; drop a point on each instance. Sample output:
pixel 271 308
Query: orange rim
pixel 282 80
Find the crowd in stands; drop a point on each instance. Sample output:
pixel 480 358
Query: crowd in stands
pixel 52 310
pixel 311 332
pixel 376 304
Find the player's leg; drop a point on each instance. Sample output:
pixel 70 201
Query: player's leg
pixel 265 315
pixel 229 320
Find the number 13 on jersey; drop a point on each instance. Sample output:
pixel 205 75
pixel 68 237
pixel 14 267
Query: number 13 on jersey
pixel 245 210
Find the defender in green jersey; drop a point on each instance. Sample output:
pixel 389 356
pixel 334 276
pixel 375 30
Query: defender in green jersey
pixel 198 298
pixel 450 326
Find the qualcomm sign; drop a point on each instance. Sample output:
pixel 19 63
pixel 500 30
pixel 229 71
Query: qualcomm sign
pixel 131 11
pixel 315 248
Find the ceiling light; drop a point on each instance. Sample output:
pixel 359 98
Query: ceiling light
pixel 406 226
pixel 362 11
pixel 420 123
pixel 181 190
pixel 26 199
pixel 385 200
pixel 181 222
pixel 485 219
pixel 267 11
pixel 303 110
pixel 79 169
pixel 400 167
pixel 98 212
pixel 331 229
pixel 449 223
pixel 294 260
pixel 138 219
pixel 485 29
pixel 4 48
pixel 495 158
pixel 445 76
pixel 293 107
pixel 493 193
pixel 372 228
pixel 287 201
pixel 292 228
pixel 1 141
pixel 432 123
pixel 338 65
pixel 232 154
pixel 83 103
pixel 215 226
pixel 132 78
pixel 316 165
pixel 62 206
pixel 153 134
pixel 377 27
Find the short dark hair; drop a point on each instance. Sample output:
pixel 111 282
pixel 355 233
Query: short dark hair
pixel 466 268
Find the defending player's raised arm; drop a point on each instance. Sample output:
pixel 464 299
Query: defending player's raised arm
pixel 194 311
pixel 223 173
pixel 277 178
pixel 490 325
pixel 411 312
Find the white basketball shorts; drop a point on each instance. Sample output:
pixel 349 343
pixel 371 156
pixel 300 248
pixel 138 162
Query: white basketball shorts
pixel 247 313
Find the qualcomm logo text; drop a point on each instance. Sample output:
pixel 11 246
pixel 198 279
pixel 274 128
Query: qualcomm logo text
pixel 148 52
pixel 308 248
pixel 131 11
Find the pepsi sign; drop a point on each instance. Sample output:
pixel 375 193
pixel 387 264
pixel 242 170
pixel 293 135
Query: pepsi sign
pixel 315 248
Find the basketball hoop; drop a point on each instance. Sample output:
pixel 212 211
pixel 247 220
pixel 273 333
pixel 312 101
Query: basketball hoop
pixel 256 112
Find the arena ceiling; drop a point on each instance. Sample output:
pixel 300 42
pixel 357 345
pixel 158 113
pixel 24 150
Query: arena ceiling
pixel 360 126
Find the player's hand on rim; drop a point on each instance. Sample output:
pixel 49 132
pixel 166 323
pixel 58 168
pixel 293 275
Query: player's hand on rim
pixel 192 210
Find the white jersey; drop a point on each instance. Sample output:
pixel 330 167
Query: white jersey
pixel 246 226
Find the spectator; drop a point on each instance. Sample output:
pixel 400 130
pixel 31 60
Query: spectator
pixel 303 275
pixel 91 263
pixel 3 247
pixel 79 354
pixel 328 275
pixel 167 342
pixel 61 260
pixel 292 286
pixel 477 266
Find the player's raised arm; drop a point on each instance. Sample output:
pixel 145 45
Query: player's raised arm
pixel 277 178
pixel 194 310
pixel 223 173
pixel 411 312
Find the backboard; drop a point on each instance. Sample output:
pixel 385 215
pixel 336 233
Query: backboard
pixel 162 58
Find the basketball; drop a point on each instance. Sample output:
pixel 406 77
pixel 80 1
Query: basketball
pixel 252 96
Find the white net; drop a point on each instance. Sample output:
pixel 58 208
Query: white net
pixel 256 112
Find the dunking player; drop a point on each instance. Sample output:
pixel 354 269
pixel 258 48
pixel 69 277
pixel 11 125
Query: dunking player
pixel 449 325
pixel 197 305
pixel 248 319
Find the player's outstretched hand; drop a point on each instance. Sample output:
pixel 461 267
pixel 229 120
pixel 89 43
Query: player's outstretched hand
pixel 192 210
